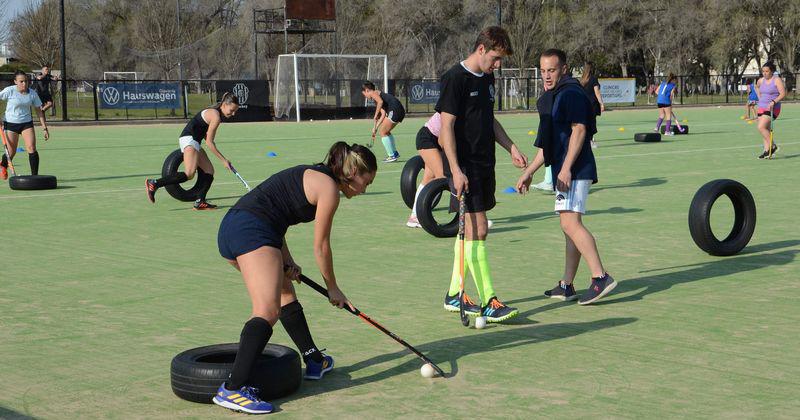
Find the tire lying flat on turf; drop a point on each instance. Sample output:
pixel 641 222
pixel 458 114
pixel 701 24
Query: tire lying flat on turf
pixel 744 223
pixel 171 166
pixel 33 182
pixel 196 374
pixel 408 179
pixel 647 137
pixel 428 198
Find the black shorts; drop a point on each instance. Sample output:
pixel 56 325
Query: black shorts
pixel 17 128
pixel 45 97
pixel 426 139
pixel 396 113
pixel 664 105
pixel 241 232
pixel 480 197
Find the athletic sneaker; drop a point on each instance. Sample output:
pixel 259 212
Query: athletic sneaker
pixel 452 304
pixel 775 149
pixel 594 144
pixel 763 155
pixel 599 288
pixel 497 311
pixel 389 159
pixel 203 205
pixel 150 185
pixel 314 370
pixel 3 172
pixel 413 222
pixel 489 224
pixel 669 133
pixel 565 293
pixel 245 400
pixel 545 186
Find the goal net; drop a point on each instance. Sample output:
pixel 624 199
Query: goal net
pixel 325 84
pixel 110 76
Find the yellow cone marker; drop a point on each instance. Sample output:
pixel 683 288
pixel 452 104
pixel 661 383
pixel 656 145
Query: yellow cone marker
pixel 621 129
pixel 531 133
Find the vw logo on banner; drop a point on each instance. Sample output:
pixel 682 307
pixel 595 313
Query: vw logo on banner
pixel 111 95
pixel 241 91
pixel 417 92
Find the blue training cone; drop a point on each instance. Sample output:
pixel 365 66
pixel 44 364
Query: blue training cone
pixel 20 149
pixel 510 190
pixel 272 154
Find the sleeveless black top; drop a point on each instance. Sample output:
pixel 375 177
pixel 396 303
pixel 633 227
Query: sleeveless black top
pixel 281 199
pixel 390 102
pixel 197 127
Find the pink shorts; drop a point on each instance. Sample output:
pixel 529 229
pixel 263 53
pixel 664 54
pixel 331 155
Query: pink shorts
pixel 765 111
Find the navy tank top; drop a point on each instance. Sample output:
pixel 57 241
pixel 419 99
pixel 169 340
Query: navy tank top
pixel 281 199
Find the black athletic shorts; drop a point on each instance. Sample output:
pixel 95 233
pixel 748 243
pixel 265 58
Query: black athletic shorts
pixel 480 197
pixel 396 114
pixel 17 128
pixel 45 98
pixel 241 232
pixel 664 105
pixel 426 139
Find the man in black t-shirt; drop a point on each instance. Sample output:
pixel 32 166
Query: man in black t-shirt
pixel 43 88
pixel 566 126
pixel 468 135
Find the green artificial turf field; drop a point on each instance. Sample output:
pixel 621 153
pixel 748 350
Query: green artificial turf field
pixel 100 288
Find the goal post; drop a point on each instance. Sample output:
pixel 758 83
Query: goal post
pixel 325 84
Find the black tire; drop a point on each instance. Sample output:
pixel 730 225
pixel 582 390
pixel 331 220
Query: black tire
pixel 675 129
pixel 744 223
pixel 196 374
pixel 647 137
pixel 171 166
pixel 408 179
pixel 33 182
pixel 428 198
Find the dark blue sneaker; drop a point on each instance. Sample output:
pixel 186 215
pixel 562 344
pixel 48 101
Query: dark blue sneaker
pixel 562 292
pixel 599 288
pixel 496 311
pixel 452 304
pixel 314 370
pixel 245 400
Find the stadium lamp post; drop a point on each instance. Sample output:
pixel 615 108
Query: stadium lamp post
pixel 63 66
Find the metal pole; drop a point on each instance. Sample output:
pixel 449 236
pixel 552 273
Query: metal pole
pixel 255 46
pixel 63 65
pixel 296 87
pixel 180 39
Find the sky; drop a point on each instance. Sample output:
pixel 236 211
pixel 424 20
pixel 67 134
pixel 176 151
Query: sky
pixel 13 8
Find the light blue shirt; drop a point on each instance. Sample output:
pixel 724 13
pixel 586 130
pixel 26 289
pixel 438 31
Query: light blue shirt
pixel 18 108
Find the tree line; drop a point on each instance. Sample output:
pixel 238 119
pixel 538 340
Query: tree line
pixel 422 38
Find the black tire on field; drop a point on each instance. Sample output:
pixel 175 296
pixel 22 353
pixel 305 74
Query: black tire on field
pixel 744 223
pixel 675 129
pixel 171 165
pixel 33 182
pixel 196 374
pixel 428 198
pixel 647 137
pixel 408 179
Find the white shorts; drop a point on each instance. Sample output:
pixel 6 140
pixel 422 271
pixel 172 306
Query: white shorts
pixel 185 141
pixel 575 198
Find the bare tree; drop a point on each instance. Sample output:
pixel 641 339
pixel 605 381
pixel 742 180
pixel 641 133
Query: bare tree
pixel 35 34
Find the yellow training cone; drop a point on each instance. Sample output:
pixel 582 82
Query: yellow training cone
pixel 531 133
pixel 749 122
pixel 621 129
pixel 685 121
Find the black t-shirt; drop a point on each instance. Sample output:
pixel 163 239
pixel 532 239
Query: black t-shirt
pixel 589 89
pixel 43 84
pixel 281 199
pixel 390 102
pixel 470 98
pixel 197 127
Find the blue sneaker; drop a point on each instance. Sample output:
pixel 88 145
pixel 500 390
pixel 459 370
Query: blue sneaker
pixel 245 400
pixel 451 304
pixel 314 370
pixel 496 311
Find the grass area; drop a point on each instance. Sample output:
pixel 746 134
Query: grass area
pixel 101 289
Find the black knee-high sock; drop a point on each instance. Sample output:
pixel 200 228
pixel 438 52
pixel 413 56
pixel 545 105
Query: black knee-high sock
pixel 33 158
pixel 255 335
pixel 176 178
pixel 294 321
pixel 206 179
pixel 4 163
